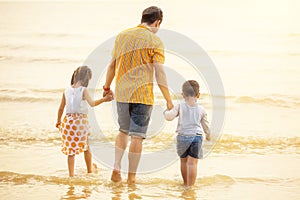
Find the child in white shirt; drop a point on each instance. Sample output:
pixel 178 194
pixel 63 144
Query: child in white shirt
pixel 192 124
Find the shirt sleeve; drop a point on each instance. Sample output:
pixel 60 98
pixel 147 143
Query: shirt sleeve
pixel 205 124
pixel 171 114
pixel 159 52
pixel 115 49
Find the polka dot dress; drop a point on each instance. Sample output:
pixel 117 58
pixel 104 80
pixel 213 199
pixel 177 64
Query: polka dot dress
pixel 75 131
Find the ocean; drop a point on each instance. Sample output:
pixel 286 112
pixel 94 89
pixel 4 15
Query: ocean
pixel 255 48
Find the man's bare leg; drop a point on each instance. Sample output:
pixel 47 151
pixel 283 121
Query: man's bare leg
pixel 134 157
pixel 120 146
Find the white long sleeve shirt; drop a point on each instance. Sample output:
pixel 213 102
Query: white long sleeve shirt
pixel 192 119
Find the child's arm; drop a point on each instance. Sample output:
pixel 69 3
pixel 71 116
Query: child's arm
pixel 205 126
pixel 61 110
pixel 171 114
pixel 91 102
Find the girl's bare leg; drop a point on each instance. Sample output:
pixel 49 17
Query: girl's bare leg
pixel 88 160
pixel 191 170
pixel 71 164
pixel 183 169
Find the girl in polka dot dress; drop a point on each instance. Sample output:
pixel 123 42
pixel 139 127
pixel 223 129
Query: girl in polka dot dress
pixel 74 127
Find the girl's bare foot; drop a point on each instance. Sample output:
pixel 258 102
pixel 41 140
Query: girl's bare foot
pixel 94 168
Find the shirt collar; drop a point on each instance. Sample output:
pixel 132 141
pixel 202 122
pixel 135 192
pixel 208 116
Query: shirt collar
pixel 143 26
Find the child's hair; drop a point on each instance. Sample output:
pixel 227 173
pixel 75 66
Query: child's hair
pixel 190 88
pixel 83 74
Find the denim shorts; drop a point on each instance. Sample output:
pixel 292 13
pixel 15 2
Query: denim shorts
pixel 189 145
pixel 133 118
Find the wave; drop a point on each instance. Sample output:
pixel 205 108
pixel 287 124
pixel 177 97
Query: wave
pixel 29 95
pixel 226 144
pixel 17 178
pixel 29 90
pixel 27 99
pixel 277 100
pixel 274 101
pixel 32 94
pixel 53 59
pixel 53 94
pixel 255 144
pixel 95 180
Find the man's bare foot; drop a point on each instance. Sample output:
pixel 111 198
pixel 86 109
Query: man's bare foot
pixel 116 176
pixel 131 178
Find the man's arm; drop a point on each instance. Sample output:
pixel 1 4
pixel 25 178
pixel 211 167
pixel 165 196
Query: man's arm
pixel 110 74
pixel 161 80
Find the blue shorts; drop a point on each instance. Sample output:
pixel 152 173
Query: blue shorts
pixel 189 145
pixel 133 118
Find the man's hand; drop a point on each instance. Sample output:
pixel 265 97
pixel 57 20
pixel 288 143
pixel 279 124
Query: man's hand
pixel 170 105
pixel 105 92
pixel 109 96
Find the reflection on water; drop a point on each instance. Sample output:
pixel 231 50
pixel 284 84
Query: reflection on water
pixel 77 192
pixel 189 194
pixel 133 192
pixel 117 189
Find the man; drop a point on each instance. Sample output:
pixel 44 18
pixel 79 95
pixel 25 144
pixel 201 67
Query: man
pixel 138 54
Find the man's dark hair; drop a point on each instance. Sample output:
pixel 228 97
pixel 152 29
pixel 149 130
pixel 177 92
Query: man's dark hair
pixel 152 14
pixel 190 88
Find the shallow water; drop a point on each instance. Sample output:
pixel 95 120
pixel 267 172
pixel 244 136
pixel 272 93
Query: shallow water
pixel 256 55
pixel 40 170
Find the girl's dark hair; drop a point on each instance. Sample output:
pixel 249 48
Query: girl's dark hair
pixel 190 88
pixel 83 74
pixel 152 14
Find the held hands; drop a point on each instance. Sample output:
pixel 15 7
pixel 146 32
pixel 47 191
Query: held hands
pixel 170 105
pixel 105 92
pixel 108 96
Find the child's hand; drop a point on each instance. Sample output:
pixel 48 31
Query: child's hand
pixel 208 137
pixel 108 97
pixel 58 124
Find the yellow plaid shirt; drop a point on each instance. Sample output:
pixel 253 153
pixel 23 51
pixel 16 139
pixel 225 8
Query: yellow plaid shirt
pixel 135 51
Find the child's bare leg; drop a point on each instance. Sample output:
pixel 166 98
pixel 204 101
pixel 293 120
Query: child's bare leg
pixel 183 169
pixel 191 170
pixel 71 164
pixel 88 160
